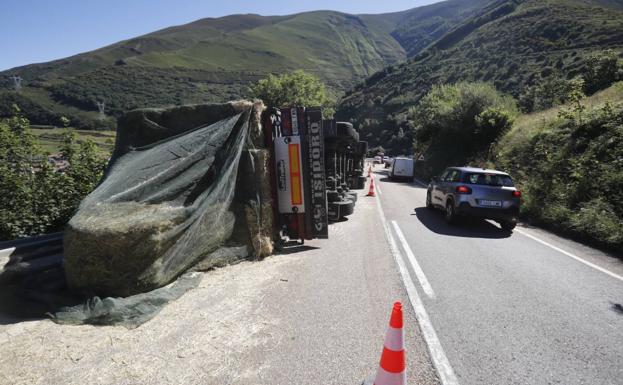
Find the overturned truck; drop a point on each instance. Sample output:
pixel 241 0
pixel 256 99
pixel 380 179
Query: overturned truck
pixel 209 184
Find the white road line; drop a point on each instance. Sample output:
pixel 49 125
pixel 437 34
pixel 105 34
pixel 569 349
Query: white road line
pixel 378 187
pixel 438 356
pixel 419 273
pixel 587 263
pixel 5 256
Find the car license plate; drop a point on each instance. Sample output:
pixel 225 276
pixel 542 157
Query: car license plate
pixel 484 202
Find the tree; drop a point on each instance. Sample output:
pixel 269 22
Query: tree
pixel 297 88
pixel 576 108
pixel 456 123
pixel 548 92
pixel 36 197
pixel 601 71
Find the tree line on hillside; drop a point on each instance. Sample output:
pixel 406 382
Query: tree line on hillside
pixel 554 89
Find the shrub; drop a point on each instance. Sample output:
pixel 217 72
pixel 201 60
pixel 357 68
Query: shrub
pixel 571 174
pixel 293 89
pixel 601 71
pixel 35 197
pixel 454 123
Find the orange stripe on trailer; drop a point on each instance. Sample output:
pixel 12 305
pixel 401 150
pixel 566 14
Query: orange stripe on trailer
pixel 295 174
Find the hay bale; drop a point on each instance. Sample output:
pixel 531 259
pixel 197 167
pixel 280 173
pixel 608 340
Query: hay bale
pixel 165 201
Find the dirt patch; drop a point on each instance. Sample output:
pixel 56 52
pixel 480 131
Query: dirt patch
pixel 206 337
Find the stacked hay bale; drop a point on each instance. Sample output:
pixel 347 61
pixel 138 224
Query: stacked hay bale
pixel 169 198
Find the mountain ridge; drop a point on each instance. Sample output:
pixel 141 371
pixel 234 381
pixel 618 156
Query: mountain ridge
pixel 512 44
pixel 214 59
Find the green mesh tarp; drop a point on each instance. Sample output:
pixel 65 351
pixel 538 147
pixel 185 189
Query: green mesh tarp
pixel 131 311
pixel 164 203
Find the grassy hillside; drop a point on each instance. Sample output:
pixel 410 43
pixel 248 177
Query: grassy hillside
pixel 570 169
pixel 208 60
pixel 511 44
pixel 51 139
pixel 215 59
pixel 420 27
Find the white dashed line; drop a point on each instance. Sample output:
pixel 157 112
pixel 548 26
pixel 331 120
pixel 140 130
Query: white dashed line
pixel 438 356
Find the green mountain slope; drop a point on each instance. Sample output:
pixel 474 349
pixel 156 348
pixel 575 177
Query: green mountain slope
pixel 511 44
pixel 215 59
pixel 417 28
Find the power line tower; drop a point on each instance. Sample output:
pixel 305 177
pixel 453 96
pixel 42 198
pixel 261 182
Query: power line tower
pixel 17 82
pixel 101 106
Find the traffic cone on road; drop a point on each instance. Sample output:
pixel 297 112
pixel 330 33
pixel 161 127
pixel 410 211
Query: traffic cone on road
pixel 371 192
pixel 392 370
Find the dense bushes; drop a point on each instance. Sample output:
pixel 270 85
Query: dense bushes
pixel 571 173
pixel 35 197
pixel 33 111
pixel 455 123
pixel 600 70
pixel 297 88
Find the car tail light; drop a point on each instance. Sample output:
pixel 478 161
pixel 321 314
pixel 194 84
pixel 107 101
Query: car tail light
pixel 463 190
pixel 516 194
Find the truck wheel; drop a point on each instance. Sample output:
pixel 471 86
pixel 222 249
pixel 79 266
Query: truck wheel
pixel 341 209
pixel 352 196
pixel 348 208
pixel 333 196
pixel 360 183
pixel 450 212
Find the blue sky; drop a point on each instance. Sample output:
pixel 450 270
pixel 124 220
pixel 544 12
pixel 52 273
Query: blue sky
pixel 33 31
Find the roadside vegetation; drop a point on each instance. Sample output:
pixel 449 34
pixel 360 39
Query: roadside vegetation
pixel 36 196
pixel 568 161
pixel 454 123
pixel 297 88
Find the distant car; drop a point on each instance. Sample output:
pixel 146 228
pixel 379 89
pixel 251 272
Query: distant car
pixel 388 162
pixel 402 168
pixel 476 192
pixel 378 159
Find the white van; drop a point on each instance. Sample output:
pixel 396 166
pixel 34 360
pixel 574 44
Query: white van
pixel 402 168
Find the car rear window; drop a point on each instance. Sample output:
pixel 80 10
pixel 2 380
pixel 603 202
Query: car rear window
pixel 488 179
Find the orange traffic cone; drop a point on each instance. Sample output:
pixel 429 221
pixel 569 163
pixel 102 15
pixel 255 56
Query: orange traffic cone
pixel 392 368
pixel 371 192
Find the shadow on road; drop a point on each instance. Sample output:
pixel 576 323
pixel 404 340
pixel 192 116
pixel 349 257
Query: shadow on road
pixel 467 227
pixel 25 302
pixel 294 249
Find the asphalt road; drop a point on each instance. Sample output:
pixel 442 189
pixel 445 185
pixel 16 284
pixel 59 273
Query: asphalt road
pixel 525 307
pixel 481 307
pixel 315 314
